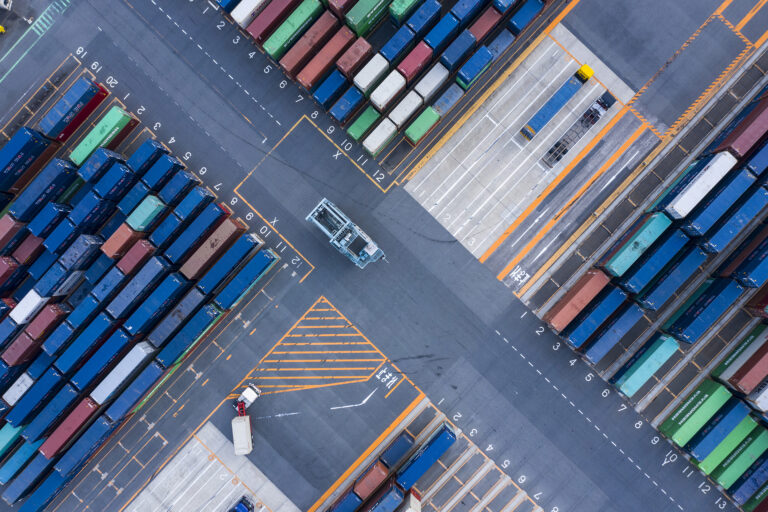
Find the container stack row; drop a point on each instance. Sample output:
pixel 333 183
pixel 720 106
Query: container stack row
pixel 414 79
pixel 111 270
pixel 712 204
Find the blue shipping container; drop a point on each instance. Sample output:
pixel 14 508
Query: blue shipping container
pixel 58 339
pixel 442 33
pixel 191 331
pixel 47 219
pixel 45 493
pixel 83 345
pixel 503 5
pixel 91 212
pixel 138 287
pixel 20 457
pixel 98 268
pixel 177 187
pixel 18 154
pixel 39 365
pixel 553 105
pixel 167 231
pixel 245 279
pixel 466 10
pixel 458 50
pixel 108 286
pixel 614 330
pixel 229 262
pixel 35 398
pixel 427 455
pixel 138 387
pixel 162 299
pixel 474 67
pixel 228 5
pixel 707 213
pixel 52 280
pixel 98 164
pixel 753 271
pixel 587 322
pixel 193 203
pixel 524 15
pixel 717 429
pixel 347 105
pixel 705 311
pixel 653 261
pixel 330 89
pixel 758 162
pixel 725 231
pixel 500 43
pixel 397 450
pixel 448 99
pixel 398 45
pixel 347 503
pixel 173 320
pixel 53 412
pixel 44 188
pixel 81 254
pixel 191 238
pixel 751 481
pixel 115 182
pixel 424 18
pixel 161 171
pixel 27 479
pixel 102 360
pixel 67 107
pixel 75 457
pixel 145 156
pixel 133 197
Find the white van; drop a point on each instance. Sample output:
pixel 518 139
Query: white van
pixel 241 435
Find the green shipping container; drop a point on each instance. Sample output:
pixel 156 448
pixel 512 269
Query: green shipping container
pixel 365 15
pixel 101 135
pixel 679 311
pixel 401 9
pixel 727 445
pixel 647 364
pixel 754 334
pixel 363 124
pixel 694 412
pixel 422 124
pixel 756 499
pixel 638 243
pixel 143 215
pixel 755 444
pixel 292 28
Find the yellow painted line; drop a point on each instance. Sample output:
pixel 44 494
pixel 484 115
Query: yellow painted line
pixel 366 453
pixel 322 326
pixel 318 377
pixel 751 14
pixel 326 335
pixel 320 369
pixel 328 352
pixel 329 343
pixel 560 177
pixel 323 360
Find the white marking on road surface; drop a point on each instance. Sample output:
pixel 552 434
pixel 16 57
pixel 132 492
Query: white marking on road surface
pixel 279 415
pixel 355 405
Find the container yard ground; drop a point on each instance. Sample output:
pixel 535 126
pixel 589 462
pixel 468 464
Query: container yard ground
pixel 432 310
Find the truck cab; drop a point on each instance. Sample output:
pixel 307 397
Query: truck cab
pixel 247 397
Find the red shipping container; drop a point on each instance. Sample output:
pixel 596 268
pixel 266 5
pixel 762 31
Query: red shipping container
pixel 268 20
pixel 46 321
pixel 341 7
pixel 748 132
pixel 212 248
pixel 28 250
pixel 10 303
pixel 485 24
pixel 8 229
pixel 352 59
pixel 370 480
pixel 68 428
pixel 84 113
pixel 120 137
pixel 295 58
pixel 21 350
pixel 35 168
pixel 415 62
pixel 7 267
pixel 323 61
pixel 752 372
pixel 121 240
pixel 576 299
pixel 136 256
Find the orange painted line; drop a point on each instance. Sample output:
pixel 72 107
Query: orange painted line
pixel 366 453
pixel 751 14
pixel 323 360
pixel 318 369
pixel 328 352
pixel 723 6
pixel 394 388
pixel 329 343
pixel 560 177
pixel 615 156
pixel 762 39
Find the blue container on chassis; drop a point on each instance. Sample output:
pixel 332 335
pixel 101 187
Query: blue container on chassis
pixel 58 339
pixel 108 286
pixel 187 335
pixel 47 219
pixel 129 398
pixel 53 412
pixel 228 5
pixel 102 360
pixel 67 107
pixel 458 50
pixel 138 287
pixel 593 316
pixel 613 331
pixel 727 193
pixel 159 302
pixel 161 171
pixel 193 203
pixel 29 477
pixel 19 153
pixel 145 156
pixel 424 18
pixel 705 311
pixel 330 89
pixel 552 106
pixel 98 164
pixel 133 197
pixel 85 344
pixel 177 187
pixel 197 231
pixel 425 457
pixel 245 279
pixel 653 261
pixel 729 227
pixel 44 188
pixel 229 262
pixel 173 320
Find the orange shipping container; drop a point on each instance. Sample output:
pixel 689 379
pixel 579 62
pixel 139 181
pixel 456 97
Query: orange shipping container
pixel 213 247
pixel 576 299
pixel 120 241
pixel 323 61
pixel 314 38
pixel 370 480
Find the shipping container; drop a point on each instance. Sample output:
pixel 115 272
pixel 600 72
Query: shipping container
pixel 320 31
pixel 120 241
pixel 758 161
pixel 694 411
pixel 167 231
pixel 269 18
pixel 758 502
pixel 212 248
pixel 51 281
pixel 500 43
pixel 671 279
pixel 556 102
pixel 354 57
pixel 85 343
pixel 360 127
pixel 46 321
pixel 370 75
pixel 503 6
pixel 709 212
pixel 138 287
pixel 8 266
pixel 132 198
pixel 645 269
pixel 420 127
pixel 232 260
pixel 102 360
pixel 292 28
pixel 758 304
pixel 43 223
pixel 136 256
pixel 593 316
pixel 72 109
pixel 27 479
pixel 474 67
pixel 349 103
pixel 425 17
pixel 404 110
pixel 576 299
pixel 8 437
pixel 161 171
pixel 340 7
pixel 325 58
pixel 742 252
pixel 380 137
pixel 717 429
pixel 611 333
pixel 20 386
pixel 227 5
pixel 330 89
pixel 398 45
pixel 58 339
pixel 68 430
pixel 751 481
pixel 90 212
pixel 458 50
pixel 754 370
pixel 145 156
pixel 366 15
pixel 753 271
pixel 644 364
pixel 180 184
pixel 432 82
pixel 24 254
pixel 387 499
pixel 245 279
pixel 98 164
pixel 524 15
pixel 370 480
pixel 393 454
pixel 82 253
pixel 442 33
pixel 146 214
pixel 247 10
pixel 53 412
pixel 731 441
pixel 76 456
pixel 35 398
pixel 185 339
pixel 193 203
pixel 19 154
pixel 743 456
pixel 10 229
pixel 349 502
pixel 415 62
pixel 21 350
pixel 168 326
pixel 159 302
pixel 28 307
pixel 700 178
pixel 706 310
pixel 122 373
pixel 109 132
pixel 115 182
pixel 44 188
pixel 399 10
pixel 107 287
pixel 129 398
pixel 746 347
pixel 425 457
pixel 23 454
pixel 485 24
pixel 758 398
pixel 466 10
pixel 193 235
pixel 46 492
pixel 633 243
pixel 749 132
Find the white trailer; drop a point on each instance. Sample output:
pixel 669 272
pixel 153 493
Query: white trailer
pixel 241 435
pixel 714 169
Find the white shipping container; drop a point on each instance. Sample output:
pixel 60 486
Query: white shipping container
pixel 122 372
pixel 405 109
pixel 387 90
pixel 247 10
pixel 371 72
pixel 432 81
pixel 759 397
pixel 241 435
pixel 28 307
pixel 748 352
pixel 17 389
pixel 380 137
pixel 69 284
pixel 701 185
pixel 410 504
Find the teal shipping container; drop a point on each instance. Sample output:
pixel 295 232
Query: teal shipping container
pixel 145 214
pixel 647 365
pixel 634 243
